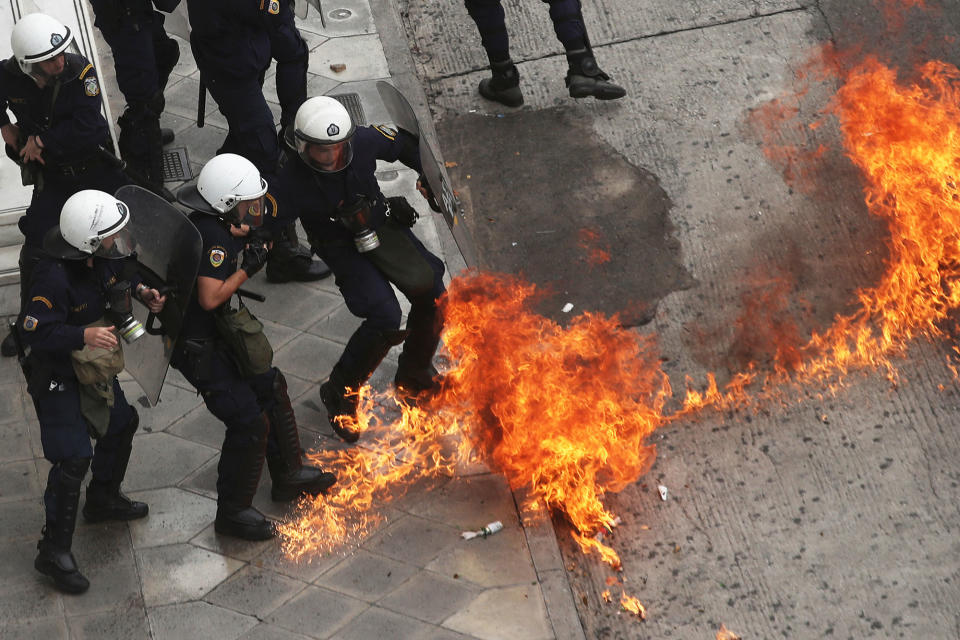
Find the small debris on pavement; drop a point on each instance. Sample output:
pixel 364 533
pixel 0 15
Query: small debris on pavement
pixel 488 530
pixel 567 308
pixel 338 67
pixel 663 492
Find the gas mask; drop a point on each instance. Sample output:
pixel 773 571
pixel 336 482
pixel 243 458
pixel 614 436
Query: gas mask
pixel 120 298
pixel 356 218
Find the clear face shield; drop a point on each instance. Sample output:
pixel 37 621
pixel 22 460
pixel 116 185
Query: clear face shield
pixel 326 158
pixel 249 212
pixel 46 71
pixel 117 245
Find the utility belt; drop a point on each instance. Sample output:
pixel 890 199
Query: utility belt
pixel 74 169
pixel 239 335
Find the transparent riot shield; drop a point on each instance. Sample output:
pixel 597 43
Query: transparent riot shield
pixel 168 249
pixel 436 174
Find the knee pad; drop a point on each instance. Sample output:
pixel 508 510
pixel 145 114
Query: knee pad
pixel 72 471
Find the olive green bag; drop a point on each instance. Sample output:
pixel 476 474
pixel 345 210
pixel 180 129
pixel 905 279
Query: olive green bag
pixel 244 336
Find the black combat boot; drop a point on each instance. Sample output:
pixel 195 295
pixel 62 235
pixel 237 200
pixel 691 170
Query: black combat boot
pixel 290 476
pixel 241 462
pixel 364 352
pixel 504 86
pixel 415 371
pixel 105 501
pixel 289 261
pixel 585 79
pixel 54 558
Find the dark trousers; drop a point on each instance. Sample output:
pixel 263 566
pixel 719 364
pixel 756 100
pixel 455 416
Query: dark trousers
pixel 252 130
pixel 491 23
pixel 290 51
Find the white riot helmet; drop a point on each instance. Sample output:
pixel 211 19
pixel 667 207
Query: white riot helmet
pixel 323 132
pixel 92 224
pixel 38 37
pixel 228 180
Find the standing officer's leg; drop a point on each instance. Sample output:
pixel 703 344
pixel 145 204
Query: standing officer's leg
pixel 368 295
pixel 504 86
pixel 253 133
pixel 584 77
pixel 290 51
pixel 290 477
pixel 111 455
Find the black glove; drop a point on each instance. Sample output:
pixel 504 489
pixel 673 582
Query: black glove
pixel 402 211
pixel 424 188
pixel 252 258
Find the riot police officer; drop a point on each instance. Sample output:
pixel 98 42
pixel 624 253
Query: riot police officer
pixel 223 353
pixel 143 57
pixel 234 76
pixel 72 369
pixel 368 243
pixel 584 76
pixel 54 93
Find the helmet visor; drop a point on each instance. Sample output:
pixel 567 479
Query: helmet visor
pixel 326 158
pixel 250 212
pixel 49 68
pixel 117 245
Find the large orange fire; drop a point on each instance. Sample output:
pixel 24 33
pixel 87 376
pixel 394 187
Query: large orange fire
pixel 566 412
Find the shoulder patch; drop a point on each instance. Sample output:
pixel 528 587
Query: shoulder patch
pixel 30 323
pixel 43 300
pixel 217 256
pixel 91 87
pixel 86 69
pixel 273 7
pixel 387 132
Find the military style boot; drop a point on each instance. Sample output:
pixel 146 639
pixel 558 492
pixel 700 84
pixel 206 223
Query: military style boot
pixel 105 501
pixel 415 371
pixel 585 79
pixel 239 475
pixel 54 558
pixel 289 261
pixel 290 476
pixel 504 86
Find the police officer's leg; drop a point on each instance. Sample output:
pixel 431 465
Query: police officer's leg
pixel 63 435
pixel 504 85
pixel 415 370
pixel 290 477
pixel 111 455
pixel 231 399
pixel 368 295
pixel 253 133
pixel 166 53
pixel 289 260
pixel 290 51
pixel 140 140
pixel 584 77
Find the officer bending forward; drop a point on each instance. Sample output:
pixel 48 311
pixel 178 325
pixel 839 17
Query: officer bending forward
pixel 71 373
pixel 223 353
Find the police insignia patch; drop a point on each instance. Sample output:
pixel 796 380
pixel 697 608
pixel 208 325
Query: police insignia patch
pixel 91 87
pixel 30 323
pixel 217 256
pixel 274 7
pixel 56 39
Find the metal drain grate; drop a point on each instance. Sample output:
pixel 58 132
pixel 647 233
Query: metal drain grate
pixel 352 103
pixel 176 165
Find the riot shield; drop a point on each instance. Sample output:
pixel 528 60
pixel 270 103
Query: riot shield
pixel 168 249
pixel 436 174
pixel 302 6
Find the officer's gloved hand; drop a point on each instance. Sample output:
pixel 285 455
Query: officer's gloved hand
pixel 424 188
pixel 252 258
pixel 402 211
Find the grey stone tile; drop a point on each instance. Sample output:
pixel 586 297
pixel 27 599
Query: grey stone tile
pixel 270 632
pixel 294 304
pixel 46 628
pixel 174 404
pixel 541 538
pixel 502 559
pixel 318 85
pixel 204 479
pixel 470 503
pixel 430 597
pixel 245 550
pixel 561 609
pixel 367 576
pixel 186 65
pixel 10 371
pixel 362 54
pixel 19 480
pixel 337 326
pixel 338 23
pixel 175 516
pixel 123 623
pixel 15 406
pixel 194 620
pixel 182 98
pixel 181 128
pixel 254 591
pixel 504 614
pixel 21 519
pixel 200 426
pixel 16 561
pixel 366 88
pixel 317 612
pixel 413 540
pixel 161 459
pixel 28 602
pixel 104 553
pixel 376 623
pixel 306 570
pixel 278 334
pixel 181 572
pixel 308 357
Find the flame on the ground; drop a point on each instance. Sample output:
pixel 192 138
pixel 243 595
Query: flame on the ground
pixel 632 605
pixel 726 634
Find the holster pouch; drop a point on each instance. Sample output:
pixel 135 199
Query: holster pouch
pixel 199 358
pixel 244 337
pixel 400 261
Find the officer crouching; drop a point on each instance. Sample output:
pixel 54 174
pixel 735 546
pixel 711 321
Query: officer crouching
pixel 223 352
pixel 71 372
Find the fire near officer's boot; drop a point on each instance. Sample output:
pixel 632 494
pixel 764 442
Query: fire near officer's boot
pixel 364 352
pixel 105 501
pixel 54 558
pixel 290 476
pixel 504 86
pixel 290 261
pixel 585 79
pixel 239 475
pixel 415 371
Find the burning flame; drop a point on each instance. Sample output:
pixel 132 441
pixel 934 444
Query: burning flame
pixel 632 605
pixel 726 634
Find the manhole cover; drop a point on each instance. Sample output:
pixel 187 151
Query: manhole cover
pixel 176 165
pixel 340 14
pixel 352 103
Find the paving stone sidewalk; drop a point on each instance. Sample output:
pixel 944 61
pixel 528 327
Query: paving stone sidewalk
pixel 170 576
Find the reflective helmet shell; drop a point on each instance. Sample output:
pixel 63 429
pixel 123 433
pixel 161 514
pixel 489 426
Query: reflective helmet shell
pixel 38 37
pixel 228 179
pixel 323 131
pixel 88 217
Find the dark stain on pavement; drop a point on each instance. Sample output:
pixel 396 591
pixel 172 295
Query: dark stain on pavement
pixel 549 200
